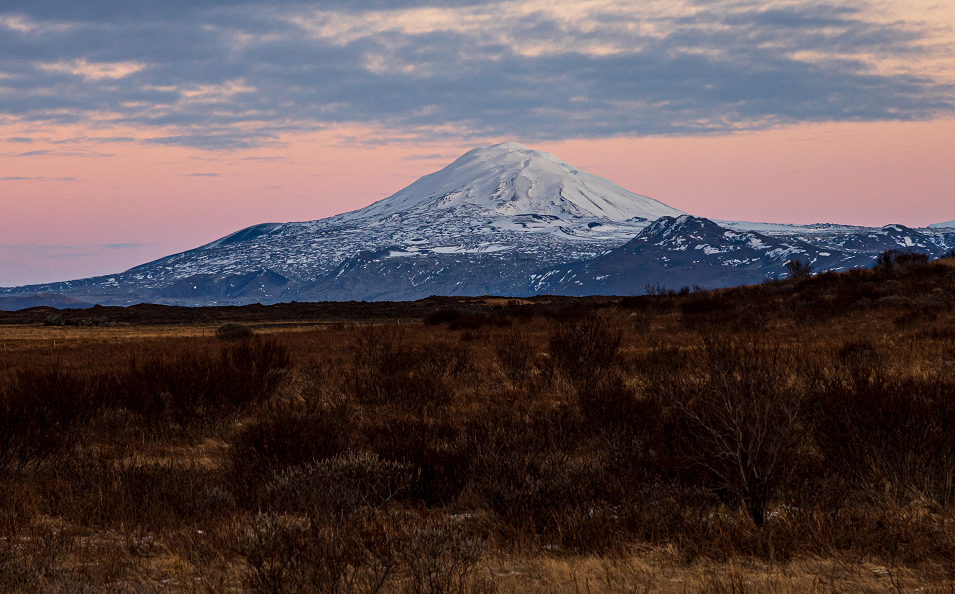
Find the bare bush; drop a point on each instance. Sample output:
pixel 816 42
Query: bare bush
pixel 234 331
pixel 909 258
pixel 440 557
pixel 389 368
pixel 203 390
pixel 343 485
pixel 741 417
pixel 286 436
pixel 516 355
pixel 41 413
pixel 304 555
pixel 796 269
pixel 369 480
pixel 888 259
pixel 585 348
pixel 293 555
pixel 520 467
pixel 886 431
pixel 432 447
pixel 154 496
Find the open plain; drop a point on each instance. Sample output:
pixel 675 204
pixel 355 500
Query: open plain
pixel 794 436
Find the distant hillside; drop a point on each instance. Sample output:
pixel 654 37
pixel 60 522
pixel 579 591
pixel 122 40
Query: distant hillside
pixel 17 302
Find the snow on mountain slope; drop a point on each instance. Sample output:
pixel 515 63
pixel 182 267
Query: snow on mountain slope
pixel 854 239
pixel 686 251
pixel 509 179
pixel 790 228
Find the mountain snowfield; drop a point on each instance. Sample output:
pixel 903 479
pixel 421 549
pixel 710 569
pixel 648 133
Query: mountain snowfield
pixel 501 219
pixel 508 180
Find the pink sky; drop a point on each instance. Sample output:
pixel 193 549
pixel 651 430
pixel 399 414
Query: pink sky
pixel 124 203
pixel 790 111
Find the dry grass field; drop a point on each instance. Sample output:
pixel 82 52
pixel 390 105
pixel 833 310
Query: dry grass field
pixel 795 436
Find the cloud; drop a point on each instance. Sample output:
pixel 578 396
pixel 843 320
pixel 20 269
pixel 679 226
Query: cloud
pixel 210 75
pixel 54 252
pixel 431 157
pixel 40 178
pixel 94 140
pixel 125 246
pixel 201 175
pixel 82 152
pixel 93 71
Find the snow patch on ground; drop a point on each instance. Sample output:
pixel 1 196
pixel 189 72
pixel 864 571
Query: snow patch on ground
pixel 710 250
pixel 481 249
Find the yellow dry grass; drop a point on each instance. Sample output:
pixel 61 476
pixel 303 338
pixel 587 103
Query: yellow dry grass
pixel 19 337
pixel 658 571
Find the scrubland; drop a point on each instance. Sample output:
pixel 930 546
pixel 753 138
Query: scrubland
pixel 795 436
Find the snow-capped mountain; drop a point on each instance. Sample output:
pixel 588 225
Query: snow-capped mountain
pixel 688 250
pixel 492 199
pixel 501 219
pixel 494 204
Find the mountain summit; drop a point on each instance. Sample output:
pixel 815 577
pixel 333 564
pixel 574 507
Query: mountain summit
pixel 510 179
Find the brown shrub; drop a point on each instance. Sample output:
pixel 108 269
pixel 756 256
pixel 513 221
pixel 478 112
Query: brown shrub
pixel 888 431
pixel 516 355
pixel 341 486
pixel 740 418
pixel 585 347
pixel 421 450
pixel 286 436
pixel 42 411
pixel 390 368
pixel 234 331
pixel 202 391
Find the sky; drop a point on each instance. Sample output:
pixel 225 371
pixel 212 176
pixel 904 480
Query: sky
pixel 133 129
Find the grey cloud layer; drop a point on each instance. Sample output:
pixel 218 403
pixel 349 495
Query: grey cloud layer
pixel 212 75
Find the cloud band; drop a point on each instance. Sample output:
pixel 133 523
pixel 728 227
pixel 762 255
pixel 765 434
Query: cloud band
pixel 200 74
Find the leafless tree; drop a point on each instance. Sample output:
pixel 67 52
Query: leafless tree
pixel 740 413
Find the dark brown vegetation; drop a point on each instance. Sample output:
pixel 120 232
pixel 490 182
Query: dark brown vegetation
pixel 292 313
pixel 795 435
